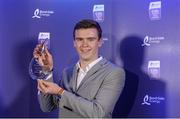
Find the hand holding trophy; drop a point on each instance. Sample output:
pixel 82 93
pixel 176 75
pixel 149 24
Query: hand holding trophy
pixel 41 64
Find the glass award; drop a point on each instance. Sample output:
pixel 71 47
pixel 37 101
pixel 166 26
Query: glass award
pixel 36 71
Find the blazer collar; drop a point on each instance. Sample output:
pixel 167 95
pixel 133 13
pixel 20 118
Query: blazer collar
pixel 92 71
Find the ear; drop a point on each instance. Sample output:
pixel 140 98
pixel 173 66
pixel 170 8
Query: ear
pixel 74 44
pixel 100 42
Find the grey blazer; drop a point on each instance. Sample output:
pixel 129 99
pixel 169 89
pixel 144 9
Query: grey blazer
pixel 95 97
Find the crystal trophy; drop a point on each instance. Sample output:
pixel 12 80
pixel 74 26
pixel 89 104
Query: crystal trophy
pixel 36 71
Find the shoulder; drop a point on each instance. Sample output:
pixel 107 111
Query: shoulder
pixel 111 67
pixel 69 69
pixel 113 73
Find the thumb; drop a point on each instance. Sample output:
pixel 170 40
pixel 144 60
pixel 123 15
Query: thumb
pixel 45 83
pixel 46 50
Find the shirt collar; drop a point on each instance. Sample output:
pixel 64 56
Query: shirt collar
pixel 89 66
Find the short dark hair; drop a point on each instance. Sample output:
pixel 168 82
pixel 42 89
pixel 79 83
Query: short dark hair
pixel 88 23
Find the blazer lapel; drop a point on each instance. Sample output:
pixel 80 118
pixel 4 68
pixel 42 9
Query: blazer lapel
pixel 74 78
pixel 91 72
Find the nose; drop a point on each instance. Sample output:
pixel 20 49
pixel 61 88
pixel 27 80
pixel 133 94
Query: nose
pixel 85 42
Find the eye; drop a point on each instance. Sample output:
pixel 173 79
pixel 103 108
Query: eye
pixel 79 39
pixel 91 39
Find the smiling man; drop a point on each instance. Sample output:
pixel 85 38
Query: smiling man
pixel 89 89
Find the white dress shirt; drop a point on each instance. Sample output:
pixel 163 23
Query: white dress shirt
pixel 82 73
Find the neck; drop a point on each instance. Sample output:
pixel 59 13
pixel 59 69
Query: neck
pixel 84 63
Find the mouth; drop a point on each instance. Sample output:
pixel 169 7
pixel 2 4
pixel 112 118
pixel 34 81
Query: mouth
pixel 85 50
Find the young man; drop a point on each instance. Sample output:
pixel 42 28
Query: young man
pixel 91 87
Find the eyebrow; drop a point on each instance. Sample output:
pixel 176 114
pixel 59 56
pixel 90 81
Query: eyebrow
pixel 85 38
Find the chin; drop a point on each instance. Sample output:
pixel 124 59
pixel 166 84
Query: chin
pixel 85 58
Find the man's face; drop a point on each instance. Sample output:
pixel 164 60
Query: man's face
pixel 87 43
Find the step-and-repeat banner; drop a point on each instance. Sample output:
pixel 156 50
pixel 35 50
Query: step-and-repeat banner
pixel 140 36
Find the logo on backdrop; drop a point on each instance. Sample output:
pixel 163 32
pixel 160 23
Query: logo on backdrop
pixel 149 100
pixel 98 13
pixel 155 10
pixel 36 14
pixel 44 37
pixel 152 40
pixel 145 100
pixel 146 41
pixel 154 69
pixel 42 13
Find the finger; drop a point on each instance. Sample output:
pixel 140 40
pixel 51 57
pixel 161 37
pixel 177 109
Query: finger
pixel 48 56
pixel 49 61
pixel 38 86
pixel 35 52
pixel 42 87
pixel 40 61
pixel 47 86
pixel 46 52
pixel 45 83
pixel 38 47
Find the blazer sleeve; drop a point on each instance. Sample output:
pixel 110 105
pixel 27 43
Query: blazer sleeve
pixel 48 102
pixel 106 98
